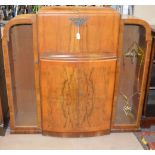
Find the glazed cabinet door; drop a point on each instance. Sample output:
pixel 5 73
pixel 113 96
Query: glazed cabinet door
pixel 77 96
pixel 132 75
pixel 20 69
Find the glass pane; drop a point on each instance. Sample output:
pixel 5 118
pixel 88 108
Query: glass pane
pixel 22 72
pixel 131 72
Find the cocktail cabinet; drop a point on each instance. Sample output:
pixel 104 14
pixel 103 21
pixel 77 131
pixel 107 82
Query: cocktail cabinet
pixel 73 71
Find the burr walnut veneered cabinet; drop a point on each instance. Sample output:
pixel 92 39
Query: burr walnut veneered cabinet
pixel 75 71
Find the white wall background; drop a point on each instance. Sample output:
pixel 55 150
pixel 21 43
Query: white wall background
pixel 146 12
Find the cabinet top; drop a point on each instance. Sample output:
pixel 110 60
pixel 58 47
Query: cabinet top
pixel 77 9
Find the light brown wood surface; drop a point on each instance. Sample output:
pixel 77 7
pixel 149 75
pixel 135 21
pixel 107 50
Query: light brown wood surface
pixel 76 81
pixel 77 96
pixel 99 33
pixel 77 75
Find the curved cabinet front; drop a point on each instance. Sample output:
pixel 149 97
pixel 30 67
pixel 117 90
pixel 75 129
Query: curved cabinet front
pixel 77 96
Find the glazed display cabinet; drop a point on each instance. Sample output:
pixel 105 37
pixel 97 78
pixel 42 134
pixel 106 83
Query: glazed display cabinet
pixel 74 71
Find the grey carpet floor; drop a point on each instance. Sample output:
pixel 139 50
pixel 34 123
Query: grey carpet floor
pixel 114 141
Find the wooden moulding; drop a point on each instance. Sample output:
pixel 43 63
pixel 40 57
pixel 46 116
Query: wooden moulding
pixel 19 20
pixel 136 126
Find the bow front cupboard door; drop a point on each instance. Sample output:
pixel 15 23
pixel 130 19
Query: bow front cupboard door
pixel 77 96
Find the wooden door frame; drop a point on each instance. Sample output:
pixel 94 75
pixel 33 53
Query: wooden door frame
pixel 19 20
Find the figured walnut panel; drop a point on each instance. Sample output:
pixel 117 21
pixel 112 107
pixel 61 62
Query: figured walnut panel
pixel 77 96
pixel 99 33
